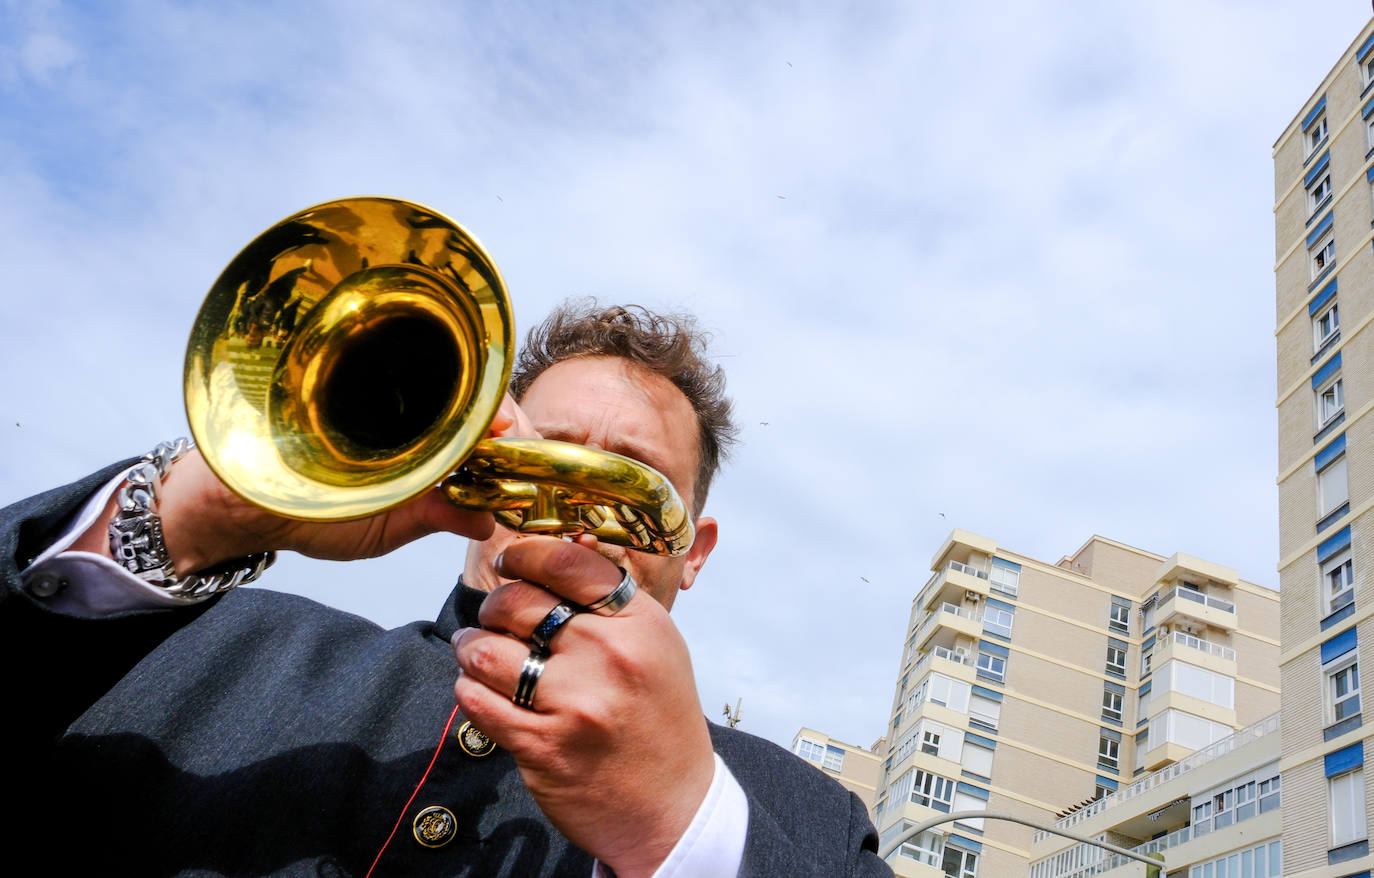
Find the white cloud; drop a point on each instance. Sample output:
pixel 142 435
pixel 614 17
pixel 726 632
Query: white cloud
pixel 1019 273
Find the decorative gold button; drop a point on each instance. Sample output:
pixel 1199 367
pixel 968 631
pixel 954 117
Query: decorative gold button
pixel 434 826
pixel 473 741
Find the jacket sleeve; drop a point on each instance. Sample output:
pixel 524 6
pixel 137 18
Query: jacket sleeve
pixel 55 666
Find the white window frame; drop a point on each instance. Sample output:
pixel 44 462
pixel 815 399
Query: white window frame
pixel 1369 131
pixel 1109 753
pixel 1333 486
pixel 1319 193
pixel 932 790
pixel 1003 579
pixel 1367 69
pixel 833 758
pixel 1113 703
pixel 1323 254
pixel 930 742
pixel 1341 687
pixel 994 666
pixel 1316 135
pixel 1345 799
pixel 1119 618
pixel 1338 582
pixel 1330 400
pixel 1326 323
pixel 967 865
pixel 1116 667
pixel 811 751
pixel 1003 619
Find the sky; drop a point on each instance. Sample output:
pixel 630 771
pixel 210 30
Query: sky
pixel 1003 267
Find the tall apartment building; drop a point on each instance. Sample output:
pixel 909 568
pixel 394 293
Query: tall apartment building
pixel 1324 272
pixel 1029 687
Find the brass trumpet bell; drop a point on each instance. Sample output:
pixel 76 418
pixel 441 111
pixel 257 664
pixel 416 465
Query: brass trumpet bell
pixel 355 354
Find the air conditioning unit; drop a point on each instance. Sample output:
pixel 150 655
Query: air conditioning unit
pixel 972 596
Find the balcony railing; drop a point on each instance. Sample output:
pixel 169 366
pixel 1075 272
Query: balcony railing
pixel 1267 726
pixel 969 569
pixel 1198 597
pixel 1207 646
pixel 942 652
pixel 958 566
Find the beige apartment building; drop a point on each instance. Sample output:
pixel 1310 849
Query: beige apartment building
pixel 1034 688
pixel 858 770
pixel 1324 274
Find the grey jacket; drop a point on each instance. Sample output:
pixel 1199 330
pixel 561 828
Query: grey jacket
pixel 264 733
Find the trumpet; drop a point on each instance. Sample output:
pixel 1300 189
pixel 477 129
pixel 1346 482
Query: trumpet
pixel 354 355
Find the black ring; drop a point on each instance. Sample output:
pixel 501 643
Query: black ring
pixel 551 623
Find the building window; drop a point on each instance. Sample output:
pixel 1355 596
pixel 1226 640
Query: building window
pixel 1316 135
pixel 1319 193
pixel 977 759
pixel 984 713
pixel 1367 69
pixel 1323 255
pixel 1330 401
pixel 1147 658
pixel 1332 489
pixel 834 759
pixel 808 749
pixel 1111 705
pixel 930 742
pixel 1369 131
pixel 1325 324
pixel 1109 753
pixel 1120 619
pixel 1004 576
pixel 959 863
pixel 992 666
pixel 1116 659
pixel 1338 574
pixel 1342 688
pixel 997 620
pixel 1264 861
pixel 1270 792
pixel 933 791
pixel 1347 807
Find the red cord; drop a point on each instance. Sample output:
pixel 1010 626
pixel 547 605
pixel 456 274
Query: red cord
pixel 423 778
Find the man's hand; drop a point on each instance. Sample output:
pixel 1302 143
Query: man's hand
pixel 205 523
pixel 616 749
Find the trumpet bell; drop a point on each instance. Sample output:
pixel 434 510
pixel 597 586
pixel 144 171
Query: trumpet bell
pixel 348 359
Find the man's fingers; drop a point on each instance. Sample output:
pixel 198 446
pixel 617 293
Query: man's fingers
pixel 516 608
pixel 490 658
pixel 570 570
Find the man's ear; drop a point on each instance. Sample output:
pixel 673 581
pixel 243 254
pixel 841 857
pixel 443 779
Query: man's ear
pixel 701 549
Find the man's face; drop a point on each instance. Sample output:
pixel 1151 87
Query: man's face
pixel 608 403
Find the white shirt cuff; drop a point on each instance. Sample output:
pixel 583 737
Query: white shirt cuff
pixel 713 844
pixel 86 584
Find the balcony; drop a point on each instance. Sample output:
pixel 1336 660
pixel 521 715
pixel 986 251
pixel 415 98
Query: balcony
pixel 1183 605
pixel 1267 726
pixel 945 625
pixel 1194 650
pixel 952 584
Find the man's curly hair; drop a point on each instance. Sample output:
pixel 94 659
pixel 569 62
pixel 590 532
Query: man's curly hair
pixel 670 345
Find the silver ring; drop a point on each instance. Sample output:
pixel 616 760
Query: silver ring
pixel 551 623
pixel 529 678
pixel 620 596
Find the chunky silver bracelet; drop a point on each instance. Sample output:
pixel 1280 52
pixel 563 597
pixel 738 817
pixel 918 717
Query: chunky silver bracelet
pixel 136 539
